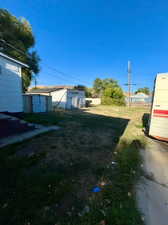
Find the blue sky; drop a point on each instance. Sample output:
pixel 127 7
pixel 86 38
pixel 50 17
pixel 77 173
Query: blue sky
pixel 95 38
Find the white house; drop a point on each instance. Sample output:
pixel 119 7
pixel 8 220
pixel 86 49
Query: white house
pixel 62 96
pixel 10 84
pixel 139 98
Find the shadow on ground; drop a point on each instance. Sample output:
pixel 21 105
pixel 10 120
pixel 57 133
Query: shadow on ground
pixel 50 177
pixel 145 122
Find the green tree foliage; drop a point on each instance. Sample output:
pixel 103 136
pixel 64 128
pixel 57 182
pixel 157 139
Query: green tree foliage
pixel 18 33
pixel 80 87
pixel 98 86
pixel 88 91
pixel 109 91
pixel 144 90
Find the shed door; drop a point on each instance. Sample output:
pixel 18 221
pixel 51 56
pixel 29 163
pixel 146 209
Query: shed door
pixel 39 103
pixel 74 102
pixel 69 102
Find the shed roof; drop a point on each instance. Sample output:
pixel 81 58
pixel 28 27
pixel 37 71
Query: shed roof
pixel 13 60
pixel 49 89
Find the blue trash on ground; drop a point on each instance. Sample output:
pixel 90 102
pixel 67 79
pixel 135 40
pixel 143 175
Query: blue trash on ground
pixel 96 189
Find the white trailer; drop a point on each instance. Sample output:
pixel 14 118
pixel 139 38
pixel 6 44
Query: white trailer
pixel 158 126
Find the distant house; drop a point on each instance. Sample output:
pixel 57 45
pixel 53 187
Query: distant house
pixel 62 96
pixel 139 98
pixel 10 84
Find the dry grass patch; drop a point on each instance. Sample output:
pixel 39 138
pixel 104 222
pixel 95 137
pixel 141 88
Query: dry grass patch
pixel 50 179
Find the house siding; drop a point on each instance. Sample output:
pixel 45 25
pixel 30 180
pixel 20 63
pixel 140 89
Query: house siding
pixel 11 86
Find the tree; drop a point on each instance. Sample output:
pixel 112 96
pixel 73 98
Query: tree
pixel 16 40
pixel 113 95
pixel 80 87
pixel 109 91
pixel 98 86
pixel 144 90
pixel 88 91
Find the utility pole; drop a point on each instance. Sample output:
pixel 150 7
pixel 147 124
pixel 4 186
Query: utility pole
pixel 35 81
pixel 129 83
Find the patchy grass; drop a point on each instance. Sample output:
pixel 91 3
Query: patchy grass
pixel 49 179
pixel 44 118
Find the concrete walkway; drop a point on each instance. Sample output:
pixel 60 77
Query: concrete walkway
pixel 39 129
pixel 4 116
pixel 153 190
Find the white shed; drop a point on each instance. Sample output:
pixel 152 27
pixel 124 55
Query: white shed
pixel 62 96
pixel 10 84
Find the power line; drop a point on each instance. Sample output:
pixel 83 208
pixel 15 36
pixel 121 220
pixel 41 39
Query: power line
pixel 16 49
pixel 59 77
pixel 52 76
pixel 49 67
pixel 65 74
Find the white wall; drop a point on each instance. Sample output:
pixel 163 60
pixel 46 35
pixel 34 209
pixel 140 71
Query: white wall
pixel 10 86
pixel 59 98
pixel 75 99
pixel 94 101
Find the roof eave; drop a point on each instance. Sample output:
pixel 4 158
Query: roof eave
pixel 14 60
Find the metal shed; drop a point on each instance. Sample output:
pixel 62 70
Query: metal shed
pixel 37 103
pixel 65 97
